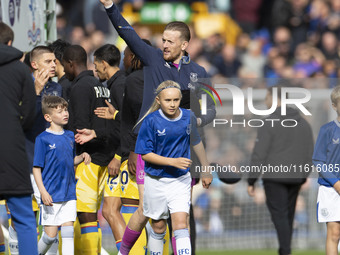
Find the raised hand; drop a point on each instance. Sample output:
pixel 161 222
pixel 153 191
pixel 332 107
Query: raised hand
pixel 105 112
pixel 84 135
pixel 106 3
pixel 41 78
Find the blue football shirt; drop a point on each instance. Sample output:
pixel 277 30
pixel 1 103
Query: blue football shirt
pixel 168 138
pixel 54 153
pixel 326 156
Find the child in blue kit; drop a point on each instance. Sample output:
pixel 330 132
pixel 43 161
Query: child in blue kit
pixel 53 170
pixel 326 159
pixel 164 142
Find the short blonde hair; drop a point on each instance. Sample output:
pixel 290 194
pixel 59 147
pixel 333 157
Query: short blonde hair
pixel 335 95
pixel 52 102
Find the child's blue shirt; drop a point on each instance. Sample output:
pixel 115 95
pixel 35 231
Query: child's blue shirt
pixel 326 156
pixel 54 153
pixel 168 138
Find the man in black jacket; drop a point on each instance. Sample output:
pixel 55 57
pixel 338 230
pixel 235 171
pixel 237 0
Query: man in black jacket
pixel 86 94
pixel 106 61
pixel 278 147
pixel 17 109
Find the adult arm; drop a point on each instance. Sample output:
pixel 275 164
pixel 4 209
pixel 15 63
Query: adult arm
pixel 132 103
pixel 117 95
pixel 108 112
pixel 144 51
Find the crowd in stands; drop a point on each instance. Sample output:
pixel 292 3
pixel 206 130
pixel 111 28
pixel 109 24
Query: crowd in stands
pixel 279 39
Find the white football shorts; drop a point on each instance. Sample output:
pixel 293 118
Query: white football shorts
pixel 162 195
pixel 328 204
pixel 58 214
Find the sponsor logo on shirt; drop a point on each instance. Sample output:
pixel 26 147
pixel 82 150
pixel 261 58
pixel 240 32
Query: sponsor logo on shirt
pixel 161 133
pixel 336 141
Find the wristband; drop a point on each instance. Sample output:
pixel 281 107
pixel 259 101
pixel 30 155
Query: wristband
pixel 115 114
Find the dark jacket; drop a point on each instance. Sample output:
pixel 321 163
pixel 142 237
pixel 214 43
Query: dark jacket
pixel 86 94
pixel 66 85
pixel 17 110
pixel 116 85
pixel 288 147
pixel 132 103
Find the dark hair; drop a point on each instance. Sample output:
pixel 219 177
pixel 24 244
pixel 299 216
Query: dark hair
pixel 52 102
pixel 27 59
pixel 59 47
pixel 136 63
pixel 6 33
pixel 181 27
pixel 109 53
pixel 77 54
pixel 37 51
